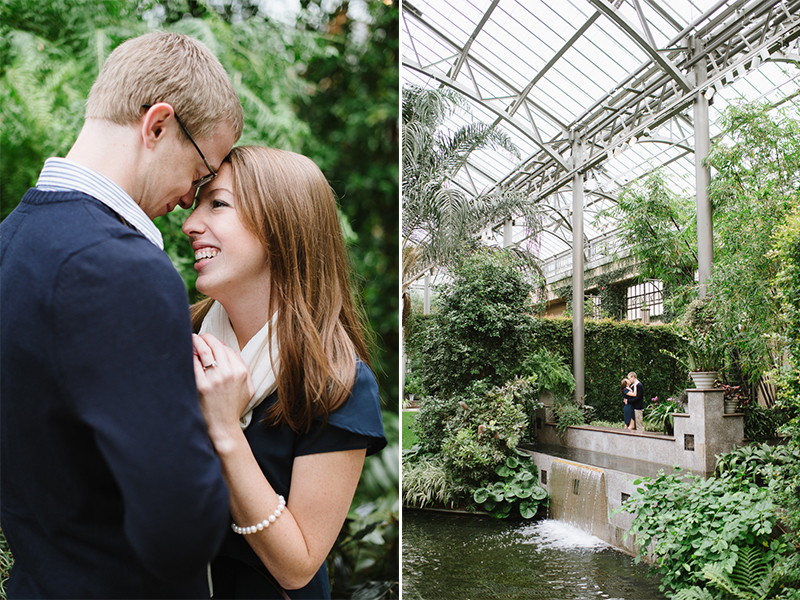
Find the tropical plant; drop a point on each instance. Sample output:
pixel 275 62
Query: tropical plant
pixel 757 463
pixel 427 482
pixel 464 440
pixel 754 188
pixel 662 236
pixel 481 330
pixel 568 414
pixel 658 414
pixel 440 221
pixel 704 344
pixel 686 522
pixel 752 577
pixel 487 427
pixel 517 488
pixel 551 370
pixel 762 423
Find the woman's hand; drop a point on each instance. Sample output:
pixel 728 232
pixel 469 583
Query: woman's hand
pixel 223 384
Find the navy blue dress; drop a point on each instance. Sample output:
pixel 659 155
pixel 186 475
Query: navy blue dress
pixel 628 406
pixel 237 572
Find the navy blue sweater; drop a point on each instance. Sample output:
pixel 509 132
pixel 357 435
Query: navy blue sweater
pixel 110 486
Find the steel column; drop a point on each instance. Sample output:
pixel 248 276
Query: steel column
pixel 426 294
pixel 702 144
pixel 577 273
pixel 508 233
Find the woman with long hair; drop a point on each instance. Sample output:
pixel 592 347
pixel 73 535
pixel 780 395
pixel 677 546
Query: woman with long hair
pixel 291 405
pixel 627 410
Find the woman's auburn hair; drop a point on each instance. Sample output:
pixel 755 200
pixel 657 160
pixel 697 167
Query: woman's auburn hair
pixel 286 202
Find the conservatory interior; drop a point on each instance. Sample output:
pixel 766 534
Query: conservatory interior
pixel 635 160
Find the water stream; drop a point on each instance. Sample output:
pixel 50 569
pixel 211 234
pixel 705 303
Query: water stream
pixel 470 557
pixel 578 496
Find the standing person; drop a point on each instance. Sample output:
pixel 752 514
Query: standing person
pixel 110 485
pixel 627 410
pixel 635 399
pixel 271 257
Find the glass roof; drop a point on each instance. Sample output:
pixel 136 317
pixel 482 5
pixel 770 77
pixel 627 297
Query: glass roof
pixel 620 77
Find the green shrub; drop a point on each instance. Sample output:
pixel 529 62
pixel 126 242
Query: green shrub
pixel 568 414
pixel 427 483
pixel 658 415
pixel 487 428
pixel 762 423
pixel 430 426
pixel 464 440
pixel 692 522
pixel 481 328
pixel 757 463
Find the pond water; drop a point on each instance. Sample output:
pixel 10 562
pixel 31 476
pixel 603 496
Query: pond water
pixel 471 557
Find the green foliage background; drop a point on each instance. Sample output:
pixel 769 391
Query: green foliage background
pixel 324 85
pixel 612 350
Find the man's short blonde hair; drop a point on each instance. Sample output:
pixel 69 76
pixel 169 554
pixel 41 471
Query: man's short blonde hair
pixel 166 67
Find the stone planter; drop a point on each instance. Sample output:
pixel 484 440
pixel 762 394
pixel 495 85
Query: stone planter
pixel 704 380
pixel 731 407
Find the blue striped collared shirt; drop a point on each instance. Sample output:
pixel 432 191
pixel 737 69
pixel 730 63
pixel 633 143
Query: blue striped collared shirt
pixel 62 175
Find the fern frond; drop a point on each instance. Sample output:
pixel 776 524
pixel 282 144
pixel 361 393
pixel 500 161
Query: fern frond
pixel 751 567
pixel 716 575
pixel 693 593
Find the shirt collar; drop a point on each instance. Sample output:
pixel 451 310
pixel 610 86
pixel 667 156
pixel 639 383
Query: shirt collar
pixel 61 174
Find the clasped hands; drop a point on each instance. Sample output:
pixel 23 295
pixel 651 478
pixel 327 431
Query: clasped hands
pixel 224 389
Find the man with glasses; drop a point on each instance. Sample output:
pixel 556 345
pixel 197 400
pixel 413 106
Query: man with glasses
pixel 110 485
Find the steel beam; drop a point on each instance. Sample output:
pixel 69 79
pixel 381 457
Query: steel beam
pixel 632 32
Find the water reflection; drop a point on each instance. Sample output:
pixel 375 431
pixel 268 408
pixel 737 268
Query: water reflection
pixel 449 556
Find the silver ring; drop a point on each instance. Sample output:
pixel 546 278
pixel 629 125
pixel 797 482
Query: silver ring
pixel 207 367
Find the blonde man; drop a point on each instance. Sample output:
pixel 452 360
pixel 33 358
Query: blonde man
pixel 110 485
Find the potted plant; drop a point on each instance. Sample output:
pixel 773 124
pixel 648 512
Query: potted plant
pixel 732 397
pixel 704 349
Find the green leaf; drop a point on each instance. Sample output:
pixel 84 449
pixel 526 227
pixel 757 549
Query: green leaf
pixel 528 510
pixel 538 492
pixel 504 471
pixel 481 495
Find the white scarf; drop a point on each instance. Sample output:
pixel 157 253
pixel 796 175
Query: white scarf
pixel 256 354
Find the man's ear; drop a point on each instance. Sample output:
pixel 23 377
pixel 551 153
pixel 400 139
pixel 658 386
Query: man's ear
pixel 154 123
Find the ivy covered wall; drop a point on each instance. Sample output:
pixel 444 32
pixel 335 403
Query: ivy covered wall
pixel 612 349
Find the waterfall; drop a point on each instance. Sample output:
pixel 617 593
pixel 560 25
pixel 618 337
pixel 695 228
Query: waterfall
pixel 578 497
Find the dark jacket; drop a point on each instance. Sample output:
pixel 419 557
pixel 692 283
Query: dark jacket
pixel 637 401
pixel 110 486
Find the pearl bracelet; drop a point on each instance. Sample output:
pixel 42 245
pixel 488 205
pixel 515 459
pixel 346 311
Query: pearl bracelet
pixel 265 523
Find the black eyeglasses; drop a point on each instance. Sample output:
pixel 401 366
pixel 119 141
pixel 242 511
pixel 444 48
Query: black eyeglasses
pixel 211 172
